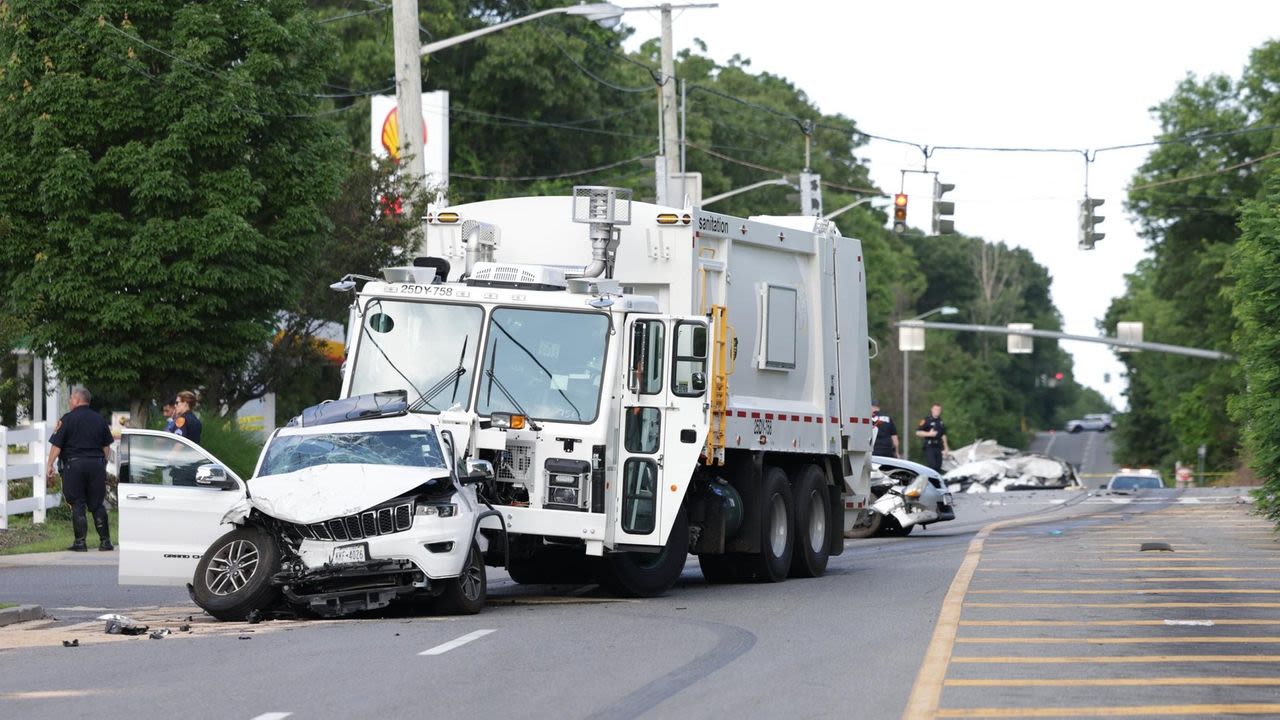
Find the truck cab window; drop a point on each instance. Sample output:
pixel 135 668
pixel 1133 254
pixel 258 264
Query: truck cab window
pixel 647 348
pixel 689 372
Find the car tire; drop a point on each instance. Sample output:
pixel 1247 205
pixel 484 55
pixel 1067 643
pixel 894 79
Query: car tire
pixel 466 594
pixel 221 587
pixel 812 545
pixel 631 574
pixel 1075 429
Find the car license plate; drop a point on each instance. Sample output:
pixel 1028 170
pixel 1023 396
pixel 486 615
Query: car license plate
pixel 348 554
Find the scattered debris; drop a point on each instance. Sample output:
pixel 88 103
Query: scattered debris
pixel 1165 547
pixel 122 625
pixel 985 466
pixel 255 617
pixel 1055 532
pixel 159 634
pixel 184 628
pixel 71 643
pixel 1198 623
pixel 246 637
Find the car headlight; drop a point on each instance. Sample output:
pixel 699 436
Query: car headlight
pixel 436 509
pixel 913 493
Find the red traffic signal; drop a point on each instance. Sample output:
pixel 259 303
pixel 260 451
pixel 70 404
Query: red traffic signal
pixel 1058 376
pixel 900 213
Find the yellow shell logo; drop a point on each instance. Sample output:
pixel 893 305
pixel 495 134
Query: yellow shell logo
pixel 391 135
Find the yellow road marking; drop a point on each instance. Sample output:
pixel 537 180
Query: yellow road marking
pixel 1111 682
pixel 1085 623
pixel 1109 659
pixel 1165 557
pixel 1153 579
pixel 1113 711
pixel 1116 641
pixel 1128 591
pixel 1126 605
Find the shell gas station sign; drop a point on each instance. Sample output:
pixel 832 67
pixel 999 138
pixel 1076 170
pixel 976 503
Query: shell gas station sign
pixel 384 133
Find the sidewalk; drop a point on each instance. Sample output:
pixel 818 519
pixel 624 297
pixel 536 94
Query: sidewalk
pixel 63 558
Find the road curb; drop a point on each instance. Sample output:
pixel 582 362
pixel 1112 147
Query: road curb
pixel 21 613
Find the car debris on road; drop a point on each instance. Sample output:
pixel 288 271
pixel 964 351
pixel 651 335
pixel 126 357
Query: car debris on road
pixel 985 466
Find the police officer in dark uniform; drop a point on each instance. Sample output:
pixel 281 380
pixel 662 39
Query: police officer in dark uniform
pixel 81 443
pixel 934 434
pixel 886 433
pixel 184 421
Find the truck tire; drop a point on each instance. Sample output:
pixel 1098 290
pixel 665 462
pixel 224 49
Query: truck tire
pixel 466 594
pixel 648 574
pixel 813 515
pixel 552 566
pixel 777 529
pixel 234 577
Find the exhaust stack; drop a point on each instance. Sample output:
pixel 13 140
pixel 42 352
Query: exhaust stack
pixel 605 209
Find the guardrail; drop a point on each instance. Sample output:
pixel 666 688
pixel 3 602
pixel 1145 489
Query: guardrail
pixel 19 466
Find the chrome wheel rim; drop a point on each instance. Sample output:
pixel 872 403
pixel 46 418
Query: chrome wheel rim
pixel 817 523
pixel 777 525
pixel 231 567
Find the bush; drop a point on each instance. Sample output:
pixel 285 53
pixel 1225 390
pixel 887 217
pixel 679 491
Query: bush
pixel 238 450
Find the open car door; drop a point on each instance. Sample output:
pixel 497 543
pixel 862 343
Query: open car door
pixel 168 518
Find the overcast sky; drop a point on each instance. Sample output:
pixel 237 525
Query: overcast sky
pixel 1010 74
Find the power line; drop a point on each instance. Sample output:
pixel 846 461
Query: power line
pixel 521 122
pixel 593 76
pixel 529 178
pixel 776 171
pixel 1188 178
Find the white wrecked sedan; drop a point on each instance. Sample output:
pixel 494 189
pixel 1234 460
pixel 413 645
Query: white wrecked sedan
pixel 342 515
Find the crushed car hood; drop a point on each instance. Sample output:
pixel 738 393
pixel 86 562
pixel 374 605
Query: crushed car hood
pixel 322 492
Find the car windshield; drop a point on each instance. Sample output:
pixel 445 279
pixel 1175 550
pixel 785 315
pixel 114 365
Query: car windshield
pixel 415 448
pixel 426 349
pixel 1135 482
pixel 546 363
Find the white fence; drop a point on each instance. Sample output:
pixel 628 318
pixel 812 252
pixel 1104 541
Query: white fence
pixel 19 466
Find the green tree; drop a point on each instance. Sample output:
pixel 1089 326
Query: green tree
pixel 164 168
pixel 1256 304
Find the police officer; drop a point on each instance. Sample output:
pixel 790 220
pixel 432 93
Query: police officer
pixel 184 421
pixel 170 414
pixel 934 433
pixel 886 433
pixel 82 442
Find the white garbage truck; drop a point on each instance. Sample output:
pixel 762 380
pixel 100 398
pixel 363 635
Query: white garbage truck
pixel 646 381
pixel 575 388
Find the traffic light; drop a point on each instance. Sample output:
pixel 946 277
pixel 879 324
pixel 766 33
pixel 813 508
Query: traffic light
pixel 942 209
pixel 900 213
pixel 1089 221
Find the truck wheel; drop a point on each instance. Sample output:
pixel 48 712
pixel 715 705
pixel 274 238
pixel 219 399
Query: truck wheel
pixel 648 574
pixel 465 594
pixel 813 512
pixel 777 520
pixel 234 577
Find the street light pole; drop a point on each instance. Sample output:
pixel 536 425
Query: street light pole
pixel 850 206
pixel 905 446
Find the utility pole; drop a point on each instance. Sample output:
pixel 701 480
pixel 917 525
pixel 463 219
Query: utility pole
pixel 667 106
pixel 409 93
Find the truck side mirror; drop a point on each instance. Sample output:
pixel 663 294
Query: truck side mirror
pixel 214 476
pixel 698 381
pixel 478 471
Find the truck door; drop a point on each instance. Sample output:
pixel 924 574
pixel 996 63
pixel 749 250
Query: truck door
pixel 663 424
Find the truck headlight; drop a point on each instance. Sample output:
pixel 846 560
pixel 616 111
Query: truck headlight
pixel 436 509
pixel 558 495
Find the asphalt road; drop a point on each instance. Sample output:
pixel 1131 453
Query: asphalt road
pixel 1089 452
pixel 850 644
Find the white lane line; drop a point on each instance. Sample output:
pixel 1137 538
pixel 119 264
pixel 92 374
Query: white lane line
pixel 446 647
pixel 273 716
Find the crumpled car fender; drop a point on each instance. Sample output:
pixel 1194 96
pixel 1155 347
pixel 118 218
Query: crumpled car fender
pixel 238 512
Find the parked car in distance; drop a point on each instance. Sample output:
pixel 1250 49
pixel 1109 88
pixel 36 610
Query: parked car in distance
pixel 1127 481
pixel 1100 422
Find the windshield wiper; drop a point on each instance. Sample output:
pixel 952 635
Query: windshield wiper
pixel 452 377
pixel 541 367
pixel 493 380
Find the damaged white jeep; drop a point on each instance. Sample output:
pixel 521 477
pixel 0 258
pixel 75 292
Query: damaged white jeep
pixel 355 504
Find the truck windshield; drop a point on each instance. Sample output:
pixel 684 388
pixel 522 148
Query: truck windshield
pixel 416 346
pixel 415 448
pixel 547 363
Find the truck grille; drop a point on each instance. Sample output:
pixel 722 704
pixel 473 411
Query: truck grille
pixel 370 523
pixel 516 463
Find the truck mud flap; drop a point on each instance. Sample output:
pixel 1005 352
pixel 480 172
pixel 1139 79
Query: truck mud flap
pixel 745 471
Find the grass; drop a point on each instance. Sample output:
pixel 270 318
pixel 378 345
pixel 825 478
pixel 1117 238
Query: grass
pixel 7 605
pixel 55 533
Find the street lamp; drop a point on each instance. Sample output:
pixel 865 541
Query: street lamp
pixel 606 15
pixel 911 338
pixel 851 206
